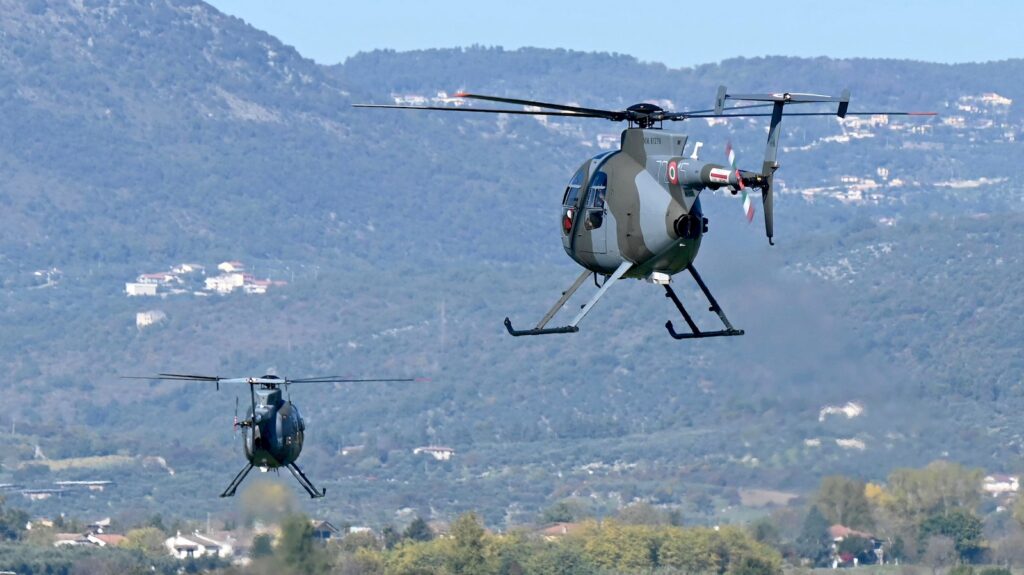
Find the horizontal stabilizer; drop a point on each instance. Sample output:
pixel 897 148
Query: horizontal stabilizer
pixel 781 97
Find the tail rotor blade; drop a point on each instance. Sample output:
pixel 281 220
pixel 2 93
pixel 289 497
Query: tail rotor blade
pixel 766 201
pixel 747 205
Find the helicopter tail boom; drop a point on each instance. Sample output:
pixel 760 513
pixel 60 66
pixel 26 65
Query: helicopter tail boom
pixel 716 175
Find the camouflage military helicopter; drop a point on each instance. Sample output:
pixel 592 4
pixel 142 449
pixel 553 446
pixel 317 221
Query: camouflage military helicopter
pixel 635 212
pixel 273 430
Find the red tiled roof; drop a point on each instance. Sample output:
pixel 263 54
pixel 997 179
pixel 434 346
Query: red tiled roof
pixel 558 529
pixel 110 538
pixel 837 531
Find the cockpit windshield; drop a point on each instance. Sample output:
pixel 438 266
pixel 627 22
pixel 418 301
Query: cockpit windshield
pixel 572 191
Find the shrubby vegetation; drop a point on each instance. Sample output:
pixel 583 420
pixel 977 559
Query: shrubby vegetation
pixel 604 548
pixel 930 517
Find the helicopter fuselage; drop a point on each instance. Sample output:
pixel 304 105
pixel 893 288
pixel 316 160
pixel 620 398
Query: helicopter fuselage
pixel 639 204
pixel 275 430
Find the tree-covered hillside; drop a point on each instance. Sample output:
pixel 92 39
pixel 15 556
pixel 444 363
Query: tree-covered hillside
pixel 144 135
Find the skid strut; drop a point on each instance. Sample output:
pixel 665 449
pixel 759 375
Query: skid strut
pixel 230 491
pixel 572 327
pixel 695 331
pixel 305 482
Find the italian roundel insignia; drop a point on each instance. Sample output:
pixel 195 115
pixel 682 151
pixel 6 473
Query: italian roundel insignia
pixel 673 172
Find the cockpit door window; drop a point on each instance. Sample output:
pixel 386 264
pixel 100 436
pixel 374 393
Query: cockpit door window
pixel 595 200
pixel 596 191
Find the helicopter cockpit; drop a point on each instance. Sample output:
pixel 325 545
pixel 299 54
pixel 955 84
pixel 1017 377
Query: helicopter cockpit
pixel 569 199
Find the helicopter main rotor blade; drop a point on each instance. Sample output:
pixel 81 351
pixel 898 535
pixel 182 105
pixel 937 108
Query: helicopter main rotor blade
pixel 610 114
pixel 337 379
pixel 674 116
pixel 482 110
pixel 189 377
pixel 184 377
pixel 174 377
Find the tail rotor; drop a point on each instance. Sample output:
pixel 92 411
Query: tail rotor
pixel 748 206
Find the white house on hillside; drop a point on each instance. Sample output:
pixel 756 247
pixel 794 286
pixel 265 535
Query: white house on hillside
pixel 437 452
pixel 998 484
pixel 148 318
pixel 197 545
pixel 225 283
pixel 135 288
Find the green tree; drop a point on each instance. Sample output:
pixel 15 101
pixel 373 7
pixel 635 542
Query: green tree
pixel 557 559
pixel 615 546
pixel 149 540
pixel 1018 511
pixel 419 558
pixel 12 522
pixel 764 530
pixel 740 551
pixel 296 549
pixel 418 530
pixel 363 562
pixel 467 556
pixel 390 537
pixel 643 514
pixel 354 541
pixel 753 565
pixel 960 525
pixel 565 511
pixel 916 494
pixel 638 546
pixel 813 542
pixel 262 546
pixel 842 501
pixel 156 521
pixel 690 550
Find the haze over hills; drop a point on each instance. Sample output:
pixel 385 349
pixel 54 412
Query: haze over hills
pixel 143 135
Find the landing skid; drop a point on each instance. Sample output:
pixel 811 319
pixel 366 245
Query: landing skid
pixel 230 491
pixel 305 482
pixel 695 331
pixel 572 327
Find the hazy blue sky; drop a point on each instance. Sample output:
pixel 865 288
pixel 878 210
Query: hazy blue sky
pixel 675 33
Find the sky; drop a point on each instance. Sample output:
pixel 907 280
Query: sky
pixel 677 34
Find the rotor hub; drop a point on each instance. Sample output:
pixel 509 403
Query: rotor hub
pixel 645 115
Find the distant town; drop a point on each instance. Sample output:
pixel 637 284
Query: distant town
pixel 192 279
pixel 978 117
pixel 183 279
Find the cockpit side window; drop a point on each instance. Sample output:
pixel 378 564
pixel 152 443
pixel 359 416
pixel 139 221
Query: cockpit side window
pixel 596 191
pixel 572 192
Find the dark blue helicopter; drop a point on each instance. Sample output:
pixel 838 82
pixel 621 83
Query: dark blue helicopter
pixel 273 427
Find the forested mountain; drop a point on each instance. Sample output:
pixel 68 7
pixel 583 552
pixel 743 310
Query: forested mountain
pixel 143 135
